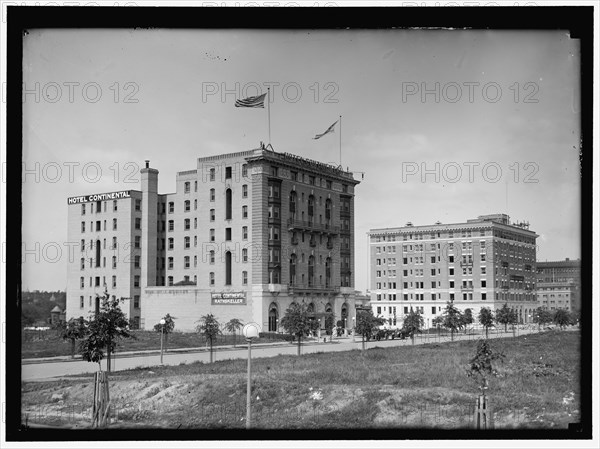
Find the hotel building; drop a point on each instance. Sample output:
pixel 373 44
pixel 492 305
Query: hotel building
pixel 244 235
pixel 484 262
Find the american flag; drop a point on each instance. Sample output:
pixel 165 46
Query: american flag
pixel 329 130
pixel 251 102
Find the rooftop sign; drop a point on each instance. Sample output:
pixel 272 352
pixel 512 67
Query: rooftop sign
pixel 99 197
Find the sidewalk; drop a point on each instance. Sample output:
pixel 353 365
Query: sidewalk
pixel 305 342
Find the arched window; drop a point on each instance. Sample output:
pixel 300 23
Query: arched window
pixel 292 269
pixel 311 271
pixel 228 195
pixel 328 212
pixel 273 317
pixel 98 253
pixel 228 268
pixel 328 272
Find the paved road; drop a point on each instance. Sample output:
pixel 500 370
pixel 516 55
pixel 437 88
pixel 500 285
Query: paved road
pixel 46 370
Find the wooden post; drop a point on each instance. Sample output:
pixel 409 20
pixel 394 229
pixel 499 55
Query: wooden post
pixel 483 419
pixel 101 405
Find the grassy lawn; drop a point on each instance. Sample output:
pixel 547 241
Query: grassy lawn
pixel 409 386
pixel 49 344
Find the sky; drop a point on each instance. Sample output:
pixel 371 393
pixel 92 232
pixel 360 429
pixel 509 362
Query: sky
pixel 444 124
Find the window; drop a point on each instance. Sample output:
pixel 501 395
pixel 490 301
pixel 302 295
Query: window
pixel 244 278
pixel 227 172
pixel 212 177
pixel 114 281
pixel 211 257
pixel 171 243
pixel 244 211
pixel 186 205
pixel 170 263
pixel 170 281
pixel 245 191
pixel 136 262
pixel 186 262
pixel 195 186
pixel 186 187
pixel 245 170
pixel 138 223
pixel 212 235
pixel 81 302
pixel 136 281
pixel 81 282
pixel 212 194
pixel 228 204
pixel 138 205
pixel 245 255
pixel 212 215
pixel 186 242
pixel 195 264
pixel 83 209
pixel 195 204
pixel 244 232
pixel 228 234
pixel 171 207
pixel 211 278
pixel 186 224
pixel 114 205
pixel 171 225
pixel 114 261
pixel 83 226
pixel 114 224
pixel 273 171
pixel 136 301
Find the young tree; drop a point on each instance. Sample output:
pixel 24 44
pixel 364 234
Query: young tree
pixel 104 330
pixel 413 322
pixel 467 318
pixel 366 324
pixel 74 330
pixel 505 316
pixel 166 328
pixel 482 365
pixel 452 319
pixel 486 318
pixel 562 318
pixel 542 317
pixel 299 321
pixel 232 326
pixel 209 327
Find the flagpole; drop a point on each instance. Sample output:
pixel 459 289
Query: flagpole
pixel 340 140
pixel 269 110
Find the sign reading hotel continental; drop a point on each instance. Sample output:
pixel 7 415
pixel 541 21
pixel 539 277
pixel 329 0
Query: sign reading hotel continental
pixel 99 197
pixel 234 298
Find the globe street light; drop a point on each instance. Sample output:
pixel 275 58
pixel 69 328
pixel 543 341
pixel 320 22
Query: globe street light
pixel 250 331
pixel 162 332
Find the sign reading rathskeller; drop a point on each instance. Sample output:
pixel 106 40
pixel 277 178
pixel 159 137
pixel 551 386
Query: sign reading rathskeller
pixel 228 298
pixel 99 197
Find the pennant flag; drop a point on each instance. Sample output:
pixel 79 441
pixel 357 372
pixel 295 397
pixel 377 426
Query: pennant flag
pixel 251 102
pixel 329 130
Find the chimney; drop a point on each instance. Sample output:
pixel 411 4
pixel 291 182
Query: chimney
pixel 147 163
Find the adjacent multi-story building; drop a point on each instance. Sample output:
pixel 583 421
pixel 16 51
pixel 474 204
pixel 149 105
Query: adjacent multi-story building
pixel 484 262
pixel 244 236
pixel 558 285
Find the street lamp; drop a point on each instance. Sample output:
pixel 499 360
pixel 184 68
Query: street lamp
pixel 250 331
pixel 162 333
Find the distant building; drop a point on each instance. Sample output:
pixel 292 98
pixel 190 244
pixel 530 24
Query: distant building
pixel 559 285
pixel 484 262
pixel 57 316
